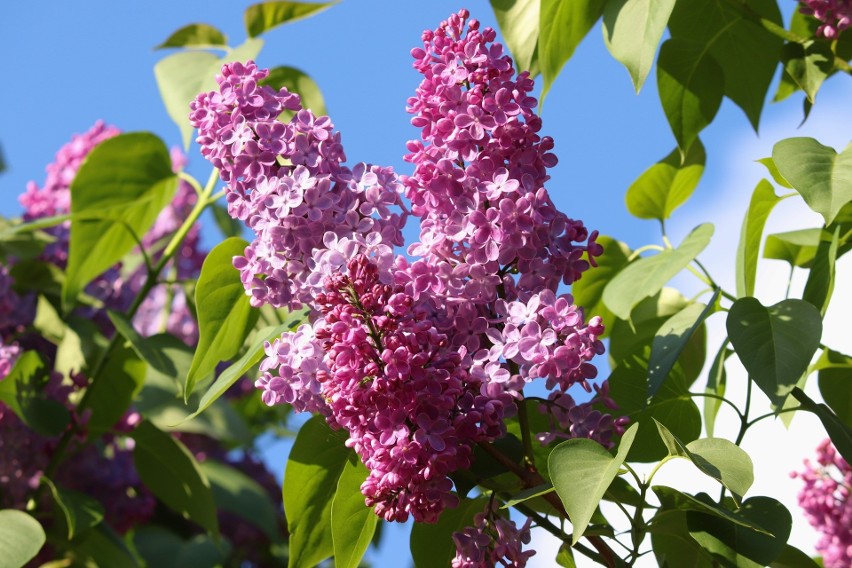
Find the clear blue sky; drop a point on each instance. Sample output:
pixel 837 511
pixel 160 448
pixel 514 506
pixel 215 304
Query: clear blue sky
pixel 72 63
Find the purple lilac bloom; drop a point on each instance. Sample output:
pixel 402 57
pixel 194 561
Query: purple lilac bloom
pixel 835 15
pixel 493 540
pixel 825 499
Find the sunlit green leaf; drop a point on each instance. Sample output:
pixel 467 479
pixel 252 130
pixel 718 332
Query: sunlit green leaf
pixel 562 26
pixel 21 537
pixel 518 21
pixel 632 32
pixel 260 18
pixel 773 171
pixel 352 522
pixel 808 65
pixel 119 381
pixel 820 283
pixel 716 385
pixel 22 391
pixel 116 196
pixel 798 248
pixel 763 200
pixel 297 81
pixel 775 344
pixel 582 471
pixel 817 172
pixel 196 35
pixel 588 290
pixel 666 185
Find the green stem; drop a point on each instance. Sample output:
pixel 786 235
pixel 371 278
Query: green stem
pixel 744 424
pixel 640 250
pixel 769 414
pixel 718 397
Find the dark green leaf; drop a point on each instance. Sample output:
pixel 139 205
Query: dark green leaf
pixel 647 276
pixel 737 546
pixel 184 75
pixel 528 494
pixel 672 338
pixel 792 557
pixel 239 494
pixel 148 351
pixel 582 471
pixel 260 18
pixel 163 548
pixel 798 248
pixel 666 185
pixel 716 385
pixel 196 35
pixel 562 26
pixel 21 391
pixel 565 557
pixel 763 200
pixel 170 472
pixel 80 511
pixel 835 384
pixel 38 276
pixel 297 81
pixel 775 344
pixel 691 86
pixel 352 522
pixel 820 284
pixel 102 546
pixel 432 545
pixel 840 433
pixel 588 290
pixel 21 537
pixel 747 53
pixel 116 196
pixel 632 32
pixel 817 172
pixel 807 65
pixel 228 226
pixel 310 483
pixel 672 545
pixel 227 317
pixel 518 21
pixel 119 381
pixel 702 503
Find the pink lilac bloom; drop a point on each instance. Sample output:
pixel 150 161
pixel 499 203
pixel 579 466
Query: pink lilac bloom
pixel 825 499
pixel 834 15
pixel 493 540
pixel 418 358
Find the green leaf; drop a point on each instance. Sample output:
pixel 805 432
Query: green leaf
pixel 666 185
pixel 156 358
pixel 817 172
pixel 565 557
pixel 432 545
pixel 310 483
pixel 228 226
pixel 528 494
pixel 116 196
pixel 632 31
pixel 840 433
pixel 702 503
pixel 671 339
pixel 21 537
pixel 798 248
pixel 119 381
pixel 102 546
pixel 518 21
pixel 297 81
pixel 163 548
pixel 81 344
pixel 773 171
pixel 260 18
pixel 672 544
pixel 808 65
pixel 792 557
pixel 820 284
pixel 588 290
pixel 835 384
pixel 21 391
pixel 240 495
pixel 775 344
pixel 647 276
pixel 80 511
pixel 562 26
pixel 718 458
pixel 582 471
pixel 233 373
pixel 352 522
pixel 196 35
pixel 716 385
pixel 170 472
pixel 763 200
pixel 747 53
pixel 736 545
pixel 691 86
pixel 184 75
pixel 227 317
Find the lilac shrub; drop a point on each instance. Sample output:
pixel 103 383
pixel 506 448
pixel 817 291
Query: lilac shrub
pixel 825 499
pixel 419 358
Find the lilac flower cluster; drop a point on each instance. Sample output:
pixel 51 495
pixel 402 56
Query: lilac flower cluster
pixel 571 420
pixel 825 498
pixel 419 359
pixel 835 15
pixel 493 540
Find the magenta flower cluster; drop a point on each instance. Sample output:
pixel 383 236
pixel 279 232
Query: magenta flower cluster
pixel 835 15
pixel 825 499
pixel 493 540
pixel 419 358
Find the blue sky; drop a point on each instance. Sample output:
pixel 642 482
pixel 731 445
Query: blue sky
pixel 72 63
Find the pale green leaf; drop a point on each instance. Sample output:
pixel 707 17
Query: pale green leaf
pixel 21 537
pixel 352 522
pixel 197 36
pixel 519 21
pixel 763 201
pixel 260 18
pixel 666 185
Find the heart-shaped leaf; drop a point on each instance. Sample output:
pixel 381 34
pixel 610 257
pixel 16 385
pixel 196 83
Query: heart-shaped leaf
pixel 21 537
pixel 775 344
pixel 808 65
pixel 666 185
pixel 582 471
pixel 821 175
